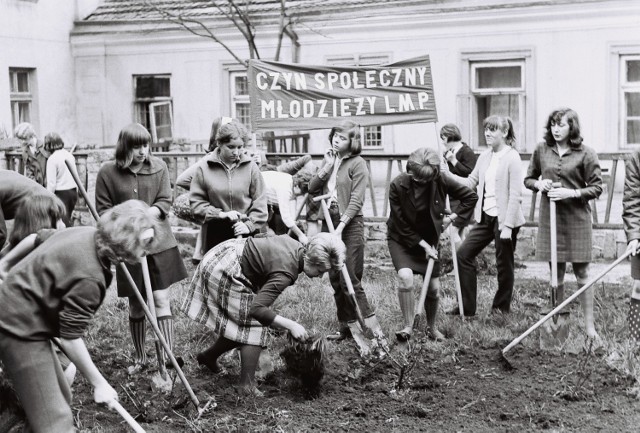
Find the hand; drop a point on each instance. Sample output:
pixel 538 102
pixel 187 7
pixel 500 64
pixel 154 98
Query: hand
pixel 303 239
pixel 232 215
pixel 104 393
pixel 505 233
pixel 557 194
pixel 543 185
pixel 240 228
pixel 432 253
pixel 449 156
pixel 329 158
pixel 447 221
pixel 633 246
pixel 298 332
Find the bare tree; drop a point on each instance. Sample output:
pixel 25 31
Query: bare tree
pixel 238 12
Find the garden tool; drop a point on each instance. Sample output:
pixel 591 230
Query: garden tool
pixel 358 327
pixel 555 332
pixel 556 310
pixel 454 258
pixel 140 299
pixel 161 379
pixel 423 292
pixel 113 404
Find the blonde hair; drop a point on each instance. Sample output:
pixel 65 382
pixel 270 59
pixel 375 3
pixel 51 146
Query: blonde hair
pixel 24 131
pixel 120 231
pixel 326 251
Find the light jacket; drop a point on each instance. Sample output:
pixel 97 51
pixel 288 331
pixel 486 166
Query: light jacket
pixel 631 198
pixel 509 181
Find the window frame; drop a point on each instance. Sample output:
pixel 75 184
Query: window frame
pixel 150 103
pixel 16 98
pixel 626 87
pixel 470 125
pixel 238 99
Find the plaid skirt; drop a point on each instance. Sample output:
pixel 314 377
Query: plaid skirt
pixel 574 231
pixel 220 297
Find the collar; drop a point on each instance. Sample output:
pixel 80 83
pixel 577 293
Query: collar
pixel 457 148
pixel 152 165
pixel 213 158
pixel 501 153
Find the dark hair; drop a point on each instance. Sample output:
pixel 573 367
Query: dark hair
pixel 502 123
pixel 450 132
pixel 424 164
pixel 301 179
pixel 215 125
pixel 352 130
pixel 53 142
pixel 38 211
pixel 575 140
pixel 133 135
pixel 232 131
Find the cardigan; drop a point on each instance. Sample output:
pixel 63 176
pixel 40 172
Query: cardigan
pixel 116 185
pixel 270 264
pixel 14 189
pixel 55 290
pixel 466 158
pixel 508 188
pixel 59 177
pixel 403 218
pixel 215 189
pixel 631 198
pixel 351 185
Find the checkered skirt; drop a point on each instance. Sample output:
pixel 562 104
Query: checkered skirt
pixel 220 297
pixel 574 231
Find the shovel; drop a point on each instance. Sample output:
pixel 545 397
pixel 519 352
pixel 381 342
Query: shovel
pixel 358 327
pixel 454 258
pixel 423 293
pixel 555 332
pixel 161 379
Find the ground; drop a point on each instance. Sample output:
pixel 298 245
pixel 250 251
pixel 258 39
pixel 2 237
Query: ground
pixel 462 384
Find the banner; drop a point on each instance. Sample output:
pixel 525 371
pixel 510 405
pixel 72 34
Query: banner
pixel 297 97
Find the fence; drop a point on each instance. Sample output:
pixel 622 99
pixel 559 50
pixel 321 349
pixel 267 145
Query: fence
pixel 378 185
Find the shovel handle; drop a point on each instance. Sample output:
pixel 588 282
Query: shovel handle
pixel 425 286
pixel 126 416
pixel 565 303
pixel 456 273
pixel 152 309
pixel 136 292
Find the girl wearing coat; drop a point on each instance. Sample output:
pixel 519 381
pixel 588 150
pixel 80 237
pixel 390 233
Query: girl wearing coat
pixel 136 174
pixel 417 218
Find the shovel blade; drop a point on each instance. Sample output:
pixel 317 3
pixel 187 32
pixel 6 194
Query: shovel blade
pixel 161 384
pixel 554 333
pixel 360 339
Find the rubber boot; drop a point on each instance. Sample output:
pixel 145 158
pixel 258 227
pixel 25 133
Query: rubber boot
pixel 431 310
pixel 138 329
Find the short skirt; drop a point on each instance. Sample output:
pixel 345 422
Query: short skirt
pixel 165 269
pixel 220 296
pixel 412 258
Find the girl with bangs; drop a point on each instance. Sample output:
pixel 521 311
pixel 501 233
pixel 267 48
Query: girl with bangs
pixel 136 174
pixel 563 158
pixel 497 178
pixel 417 218
pixel 343 174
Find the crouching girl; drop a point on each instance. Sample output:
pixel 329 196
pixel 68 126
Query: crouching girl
pixel 236 283
pixel 55 292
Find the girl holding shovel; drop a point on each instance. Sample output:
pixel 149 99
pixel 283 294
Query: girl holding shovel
pixel 53 293
pixel 237 282
pixel 563 158
pixel 417 218
pixel 343 174
pixel 136 174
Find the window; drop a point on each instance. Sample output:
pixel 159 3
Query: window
pixel 153 107
pixel 21 95
pixel 630 100
pixel 371 135
pixel 497 83
pixel 240 107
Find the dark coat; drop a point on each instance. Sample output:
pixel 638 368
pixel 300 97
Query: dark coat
pixel 151 185
pixel 403 218
pixel 631 198
pixel 466 161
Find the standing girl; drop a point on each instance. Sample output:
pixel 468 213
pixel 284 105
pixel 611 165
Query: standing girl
pixel 136 174
pixel 344 175
pixel 227 191
pixel 563 158
pixel 59 179
pixel 498 214
pixel 417 201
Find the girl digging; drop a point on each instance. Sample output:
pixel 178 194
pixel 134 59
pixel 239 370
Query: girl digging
pixel 136 174
pixel 236 283
pixel 343 174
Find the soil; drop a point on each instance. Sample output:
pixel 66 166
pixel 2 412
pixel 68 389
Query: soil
pixel 445 387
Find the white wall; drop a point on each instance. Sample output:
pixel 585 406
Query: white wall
pixel 35 34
